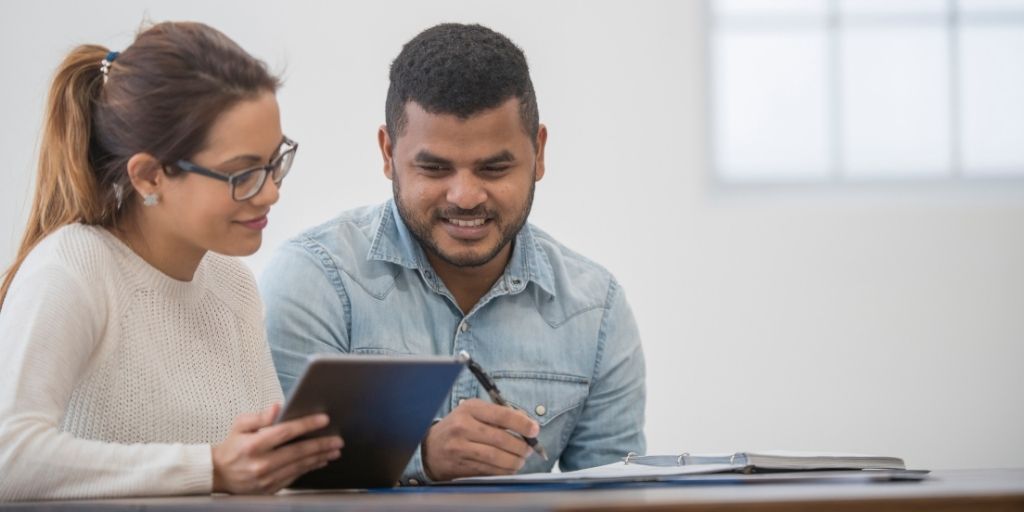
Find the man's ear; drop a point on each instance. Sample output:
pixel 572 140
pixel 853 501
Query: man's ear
pixel 542 140
pixel 386 151
pixel 145 173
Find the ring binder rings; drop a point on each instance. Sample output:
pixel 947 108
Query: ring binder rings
pixel 771 460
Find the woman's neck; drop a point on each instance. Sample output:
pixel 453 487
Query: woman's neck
pixel 162 250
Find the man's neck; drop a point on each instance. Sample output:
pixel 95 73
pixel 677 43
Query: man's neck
pixel 469 284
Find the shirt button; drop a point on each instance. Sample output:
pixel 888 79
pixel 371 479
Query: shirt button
pixel 461 400
pixel 413 481
pixel 515 282
pixel 464 327
pixel 540 410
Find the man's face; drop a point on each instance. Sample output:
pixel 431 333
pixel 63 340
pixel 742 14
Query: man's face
pixel 464 187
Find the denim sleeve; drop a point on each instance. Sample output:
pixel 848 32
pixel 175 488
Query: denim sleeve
pixel 307 309
pixel 414 472
pixel 308 312
pixel 611 423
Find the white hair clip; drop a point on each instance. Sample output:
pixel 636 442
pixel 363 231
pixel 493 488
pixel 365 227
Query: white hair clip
pixel 106 62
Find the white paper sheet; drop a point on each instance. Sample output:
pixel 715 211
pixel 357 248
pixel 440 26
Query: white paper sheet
pixel 617 471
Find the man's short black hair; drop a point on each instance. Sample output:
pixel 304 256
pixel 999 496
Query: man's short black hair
pixel 459 70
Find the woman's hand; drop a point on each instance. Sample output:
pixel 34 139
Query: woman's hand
pixel 254 458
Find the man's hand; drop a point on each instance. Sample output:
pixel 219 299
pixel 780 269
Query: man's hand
pixel 474 440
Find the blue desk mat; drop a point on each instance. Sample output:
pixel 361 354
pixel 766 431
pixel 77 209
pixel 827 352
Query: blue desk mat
pixel 854 477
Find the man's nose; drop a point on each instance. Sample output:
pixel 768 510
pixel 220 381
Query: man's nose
pixel 466 190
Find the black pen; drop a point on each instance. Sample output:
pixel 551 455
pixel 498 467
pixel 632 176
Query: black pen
pixel 492 391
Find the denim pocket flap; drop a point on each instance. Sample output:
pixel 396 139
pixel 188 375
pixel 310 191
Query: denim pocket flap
pixel 543 396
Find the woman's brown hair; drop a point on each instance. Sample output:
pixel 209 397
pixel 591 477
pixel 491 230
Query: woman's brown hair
pixel 160 96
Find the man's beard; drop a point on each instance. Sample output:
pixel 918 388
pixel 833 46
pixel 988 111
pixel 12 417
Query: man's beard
pixel 421 229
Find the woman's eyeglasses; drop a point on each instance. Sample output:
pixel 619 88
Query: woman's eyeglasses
pixel 245 184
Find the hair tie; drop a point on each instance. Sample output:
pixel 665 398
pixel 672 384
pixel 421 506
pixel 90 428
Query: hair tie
pixel 106 62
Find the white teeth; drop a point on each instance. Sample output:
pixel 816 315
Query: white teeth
pixel 467 223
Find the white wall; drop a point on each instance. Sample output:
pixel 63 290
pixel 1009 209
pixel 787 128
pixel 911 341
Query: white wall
pixel 882 319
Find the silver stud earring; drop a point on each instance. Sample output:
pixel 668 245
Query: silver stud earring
pixel 118 195
pixel 150 199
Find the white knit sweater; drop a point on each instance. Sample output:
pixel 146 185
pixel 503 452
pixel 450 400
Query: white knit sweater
pixel 115 379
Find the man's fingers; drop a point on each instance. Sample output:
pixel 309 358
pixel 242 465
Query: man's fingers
pixel 479 438
pixel 274 436
pixel 475 425
pixel 500 460
pixel 504 418
pixel 500 439
pixel 516 446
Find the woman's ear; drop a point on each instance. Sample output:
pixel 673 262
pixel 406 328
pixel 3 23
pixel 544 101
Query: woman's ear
pixel 146 174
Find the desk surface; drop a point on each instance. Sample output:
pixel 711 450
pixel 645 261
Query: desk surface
pixel 976 490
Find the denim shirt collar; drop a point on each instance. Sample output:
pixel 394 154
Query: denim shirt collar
pixel 393 243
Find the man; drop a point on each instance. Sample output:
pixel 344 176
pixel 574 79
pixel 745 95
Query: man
pixel 451 264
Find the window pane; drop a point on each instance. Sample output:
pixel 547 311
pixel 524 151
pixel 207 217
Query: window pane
pixel 770 105
pixel 877 7
pixel 895 101
pixel 814 8
pixel 987 6
pixel 992 84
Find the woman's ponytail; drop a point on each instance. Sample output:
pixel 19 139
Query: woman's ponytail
pixel 66 188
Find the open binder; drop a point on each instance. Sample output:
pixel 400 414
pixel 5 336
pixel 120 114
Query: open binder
pixel 773 460
pixel 741 467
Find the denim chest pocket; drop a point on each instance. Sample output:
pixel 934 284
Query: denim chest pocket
pixel 543 396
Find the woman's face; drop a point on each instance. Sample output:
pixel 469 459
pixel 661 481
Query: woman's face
pixel 198 211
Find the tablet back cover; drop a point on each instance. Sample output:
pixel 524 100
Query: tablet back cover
pixel 381 407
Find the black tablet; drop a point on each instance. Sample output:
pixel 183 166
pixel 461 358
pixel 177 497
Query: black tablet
pixel 381 406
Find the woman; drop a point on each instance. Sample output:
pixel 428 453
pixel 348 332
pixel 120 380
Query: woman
pixel 130 337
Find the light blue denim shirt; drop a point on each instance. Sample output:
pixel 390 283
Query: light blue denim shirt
pixel 555 331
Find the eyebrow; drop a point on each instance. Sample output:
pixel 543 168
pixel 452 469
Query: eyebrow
pixel 242 158
pixel 504 156
pixel 256 159
pixel 425 156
